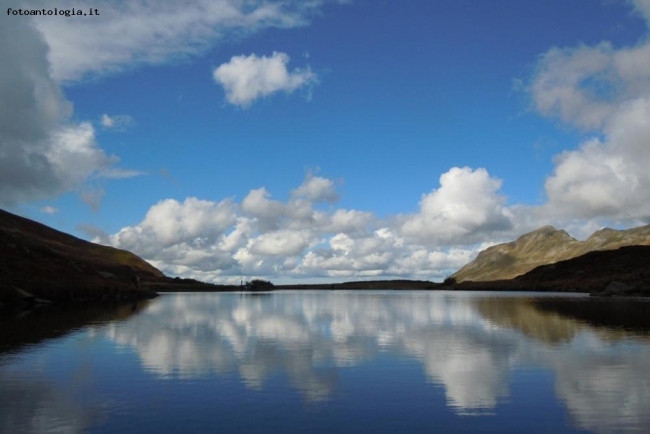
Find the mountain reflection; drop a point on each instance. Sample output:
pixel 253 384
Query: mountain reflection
pixel 31 401
pixel 29 328
pixel 470 345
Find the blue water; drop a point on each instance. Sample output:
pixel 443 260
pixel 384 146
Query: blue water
pixel 329 362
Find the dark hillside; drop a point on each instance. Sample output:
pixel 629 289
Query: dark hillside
pixel 545 245
pixel 594 271
pixel 48 264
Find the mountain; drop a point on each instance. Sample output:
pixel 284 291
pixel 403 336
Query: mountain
pixel 628 267
pixel 546 245
pixel 38 262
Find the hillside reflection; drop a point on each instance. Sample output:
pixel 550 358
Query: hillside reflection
pixel 30 400
pixel 471 345
pixel 28 328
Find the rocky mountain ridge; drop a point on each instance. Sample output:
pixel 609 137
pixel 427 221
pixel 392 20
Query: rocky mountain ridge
pixel 546 245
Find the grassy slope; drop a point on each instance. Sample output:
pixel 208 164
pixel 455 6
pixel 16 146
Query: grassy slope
pixel 591 272
pixel 546 245
pixel 53 265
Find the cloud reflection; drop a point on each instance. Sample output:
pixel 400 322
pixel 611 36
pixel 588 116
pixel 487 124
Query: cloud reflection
pixel 37 405
pixel 469 345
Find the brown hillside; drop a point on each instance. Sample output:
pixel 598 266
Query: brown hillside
pixel 543 246
pixel 53 265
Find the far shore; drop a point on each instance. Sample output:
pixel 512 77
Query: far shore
pixel 513 285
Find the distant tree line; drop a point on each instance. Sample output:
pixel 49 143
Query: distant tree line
pixel 259 285
pixel 449 280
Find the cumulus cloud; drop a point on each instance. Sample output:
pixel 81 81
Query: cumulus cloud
pixel 605 91
pixel 281 243
pixel 351 221
pixel 128 34
pixel 265 237
pixel 316 189
pixel 467 203
pixel 575 84
pixel 169 222
pixel 259 204
pixel 42 153
pixel 74 155
pixel 607 177
pixel 298 212
pixel 247 78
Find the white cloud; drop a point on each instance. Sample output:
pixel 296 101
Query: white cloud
pixel 642 7
pixel 194 222
pixel 247 78
pixel 316 189
pixel 116 122
pixel 348 221
pixel 74 155
pixel 281 243
pixel 604 90
pixel 268 238
pixel 257 203
pixel 298 212
pixel 466 204
pixel 585 85
pixel 607 177
pixel 560 87
pixel 42 153
pixel 129 34
pixel 264 237
pixel 48 209
pixel 293 239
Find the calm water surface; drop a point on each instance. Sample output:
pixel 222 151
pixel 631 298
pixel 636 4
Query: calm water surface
pixel 330 362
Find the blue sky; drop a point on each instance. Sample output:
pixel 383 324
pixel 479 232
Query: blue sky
pixel 390 138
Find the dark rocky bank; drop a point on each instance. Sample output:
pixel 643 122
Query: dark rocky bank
pixel 40 265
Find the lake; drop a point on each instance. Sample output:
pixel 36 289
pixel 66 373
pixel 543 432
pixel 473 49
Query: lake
pixel 329 361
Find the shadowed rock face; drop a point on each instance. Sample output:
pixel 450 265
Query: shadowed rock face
pixel 626 268
pixel 546 245
pixel 45 263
